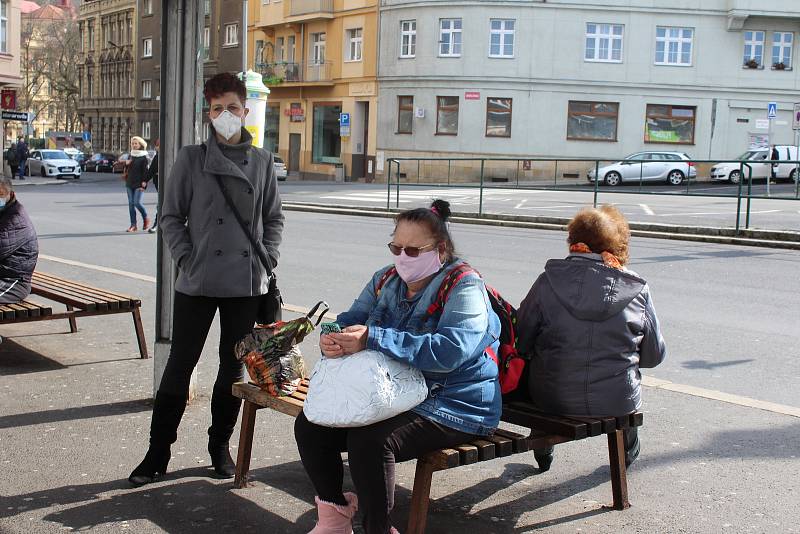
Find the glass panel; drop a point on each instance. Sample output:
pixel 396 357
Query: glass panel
pixel 496 24
pixel 457 24
pixel 498 117
pixel 657 111
pixel 447 115
pixel 326 141
pixel 661 32
pixel 617 30
pixel 510 25
pixel 682 112
pixel 591 28
pixel 509 46
pixel 272 128
pixel 590 48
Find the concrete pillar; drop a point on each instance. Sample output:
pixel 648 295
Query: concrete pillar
pixel 182 23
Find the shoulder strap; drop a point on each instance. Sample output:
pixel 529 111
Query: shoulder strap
pixel 390 272
pixel 452 278
pixel 256 245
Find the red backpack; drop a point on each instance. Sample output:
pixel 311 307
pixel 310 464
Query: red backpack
pixel 508 360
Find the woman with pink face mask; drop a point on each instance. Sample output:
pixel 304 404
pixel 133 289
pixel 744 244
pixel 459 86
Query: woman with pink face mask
pixel 450 348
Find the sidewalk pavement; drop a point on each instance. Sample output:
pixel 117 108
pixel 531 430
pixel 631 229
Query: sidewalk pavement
pixel 36 180
pixel 75 412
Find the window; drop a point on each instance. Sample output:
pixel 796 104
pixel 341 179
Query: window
pixel 206 130
pixel 782 49
pixel 207 9
pixel 354 42
pixel 405 114
pixel 501 38
pixel 272 129
pixel 669 124
pixel 231 34
pixel 318 48
pixel 603 42
pixel 753 47
pixel 592 121
pixel 674 46
pixel 4 26
pixel 147 47
pixel 408 38
pixel 290 49
pixel 148 7
pixel 279 49
pixel 327 145
pixel 89 85
pixel 146 130
pixel 90 34
pixel 498 117
pixel 147 89
pixel 206 43
pixel 447 115
pixel 450 37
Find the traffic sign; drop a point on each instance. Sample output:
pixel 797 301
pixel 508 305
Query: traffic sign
pixel 772 110
pixel 15 116
pixel 87 136
pixel 344 125
pixel 796 117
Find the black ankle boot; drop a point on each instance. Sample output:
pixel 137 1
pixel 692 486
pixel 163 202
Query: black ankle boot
pixel 152 468
pixel 221 459
pixel 544 458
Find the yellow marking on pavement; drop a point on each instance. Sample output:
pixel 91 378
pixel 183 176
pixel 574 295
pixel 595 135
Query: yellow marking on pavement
pixel 647 380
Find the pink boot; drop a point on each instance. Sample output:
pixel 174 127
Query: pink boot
pixel 335 518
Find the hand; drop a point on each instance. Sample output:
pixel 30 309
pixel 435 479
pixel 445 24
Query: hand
pixel 352 339
pixel 144 186
pixel 330 349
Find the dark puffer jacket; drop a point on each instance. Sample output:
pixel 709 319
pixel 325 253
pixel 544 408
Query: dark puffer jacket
pixel 19 250
pixel 137 172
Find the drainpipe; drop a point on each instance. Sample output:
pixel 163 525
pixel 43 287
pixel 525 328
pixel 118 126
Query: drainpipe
pixel 244 38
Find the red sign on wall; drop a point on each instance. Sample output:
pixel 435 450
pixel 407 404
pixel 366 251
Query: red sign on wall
pixel 472 95
pixel 8 99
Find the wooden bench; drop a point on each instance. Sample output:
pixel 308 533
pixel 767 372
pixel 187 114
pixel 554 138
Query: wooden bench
pixel 545 430
pixel 81 300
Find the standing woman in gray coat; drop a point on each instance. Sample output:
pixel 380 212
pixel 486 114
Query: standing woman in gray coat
pixel 217 268
pixel 588 324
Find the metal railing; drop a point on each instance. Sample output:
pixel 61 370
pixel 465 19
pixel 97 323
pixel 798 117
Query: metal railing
pixel 283 72
pixel 580 175
pixel 304 7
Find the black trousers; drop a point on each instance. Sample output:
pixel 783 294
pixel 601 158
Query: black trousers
pixel 372 452
pixel 192 317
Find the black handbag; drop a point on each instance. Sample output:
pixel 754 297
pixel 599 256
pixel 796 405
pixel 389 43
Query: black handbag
pixel 271 305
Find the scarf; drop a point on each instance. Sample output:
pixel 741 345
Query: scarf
pixel 138 153
pixel 609 260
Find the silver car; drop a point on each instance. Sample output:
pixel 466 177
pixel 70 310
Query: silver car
pixel 280 167
pixel 670 167
pixel 52 163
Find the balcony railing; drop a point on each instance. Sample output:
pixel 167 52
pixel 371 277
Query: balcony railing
pixel 305 7
pixel 303 72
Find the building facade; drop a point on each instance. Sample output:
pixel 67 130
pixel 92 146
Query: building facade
pixel 10 77
pixel 576 79
pixel 319 59
pixel 109 54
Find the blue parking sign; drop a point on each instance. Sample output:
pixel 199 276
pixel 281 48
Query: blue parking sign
pixel 344 119
pixel 772 110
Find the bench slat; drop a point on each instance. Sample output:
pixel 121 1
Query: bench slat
pixel 485 449
pixel 623 422
pixel 110 296
pixel 636 419
pixel 519 442
pixel 65 297
pixel 443 459
pixel 20 311
pixel 609 424
pixel 502 446
pixel 468 454
pixel 33 310
pixel 594 427
pixel 66 289
pixel 8 312
pixel 254 394
pixel 523 415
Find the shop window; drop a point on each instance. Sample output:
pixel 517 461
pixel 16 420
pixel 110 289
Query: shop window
pixel 326 145
pixel 670 124
pixel 592 121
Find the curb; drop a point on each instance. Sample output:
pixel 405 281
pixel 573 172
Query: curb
pixel 752 238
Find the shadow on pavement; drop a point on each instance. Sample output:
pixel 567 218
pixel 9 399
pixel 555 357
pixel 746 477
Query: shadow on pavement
pixel 71 414
pixel 16 360
pixel 709 365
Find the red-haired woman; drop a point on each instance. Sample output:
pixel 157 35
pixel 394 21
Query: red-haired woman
pixel 218 269
pixel 588 324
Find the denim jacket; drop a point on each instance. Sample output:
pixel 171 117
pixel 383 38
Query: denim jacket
pixel 449 349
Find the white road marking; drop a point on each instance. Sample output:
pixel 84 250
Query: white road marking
pixel 128 274
pixel 712 213
pixel 364 199
pixel 646 209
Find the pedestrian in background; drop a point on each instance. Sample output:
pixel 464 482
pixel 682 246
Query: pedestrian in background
pixel 11 159
pixel 588 325
pixel 152 176
pixel 218 268
pixel 22 156
pixel 136 182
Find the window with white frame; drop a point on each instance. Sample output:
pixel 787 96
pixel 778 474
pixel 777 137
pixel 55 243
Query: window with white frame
pixel 782 43
pixel 4 26
pixel 206 43
pixel 318 48
pixel 148 7
pixel 501 37
pixel 147 47
pixel 290 49
pixel 408 38
pixel 280 49
pixel 206 7
pixel 450 37
pixel 753 48
pixel 674 46
pixel 147 88
pixel 603 42
pixel 146 129
pixel 231 34
pixel 206 131
pixel 354 44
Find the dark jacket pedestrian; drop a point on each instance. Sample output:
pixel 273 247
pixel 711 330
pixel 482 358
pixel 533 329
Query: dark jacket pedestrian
pixel 136 182
pixel 152 172
pixel 22 157
pixel 19 247
pixel 12 159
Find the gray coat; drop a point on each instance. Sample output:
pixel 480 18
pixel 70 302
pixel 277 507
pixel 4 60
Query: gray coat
pixel 214 256
pixel 588 329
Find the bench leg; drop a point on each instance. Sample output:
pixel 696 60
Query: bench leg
pixel 619 476
pixel 245 444
pixel 73 324
pixel 420 498
pixel 137 324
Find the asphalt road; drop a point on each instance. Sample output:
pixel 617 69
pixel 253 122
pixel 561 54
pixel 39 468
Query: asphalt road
pixel 729 313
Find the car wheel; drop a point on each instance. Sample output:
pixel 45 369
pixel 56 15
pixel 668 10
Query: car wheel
pixel 613 178
pixel 43 173
pixel 793 175
pixel 675 177
pixel 734 177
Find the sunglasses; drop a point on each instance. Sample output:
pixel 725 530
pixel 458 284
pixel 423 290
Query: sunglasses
pixel 411 252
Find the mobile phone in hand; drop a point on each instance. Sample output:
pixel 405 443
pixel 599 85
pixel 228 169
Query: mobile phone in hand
pixel 330 328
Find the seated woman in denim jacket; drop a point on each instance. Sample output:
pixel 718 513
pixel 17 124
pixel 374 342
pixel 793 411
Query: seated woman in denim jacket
pixel 450 350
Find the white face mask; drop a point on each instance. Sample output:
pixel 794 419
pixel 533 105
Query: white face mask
pixel 227 124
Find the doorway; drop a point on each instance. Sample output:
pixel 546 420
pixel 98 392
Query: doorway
pixel 294 153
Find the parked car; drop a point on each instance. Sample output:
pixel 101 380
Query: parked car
pixel 71 151
pixel 753 167
pixel 52 163
pixel 100 162
pixel 280 167
pixel 671 167
pixel 119 165
pixel 80 159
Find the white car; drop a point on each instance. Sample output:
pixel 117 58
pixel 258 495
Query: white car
pixel 52 163
pixel 751 165
pixel 670 167
pixel 280 167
